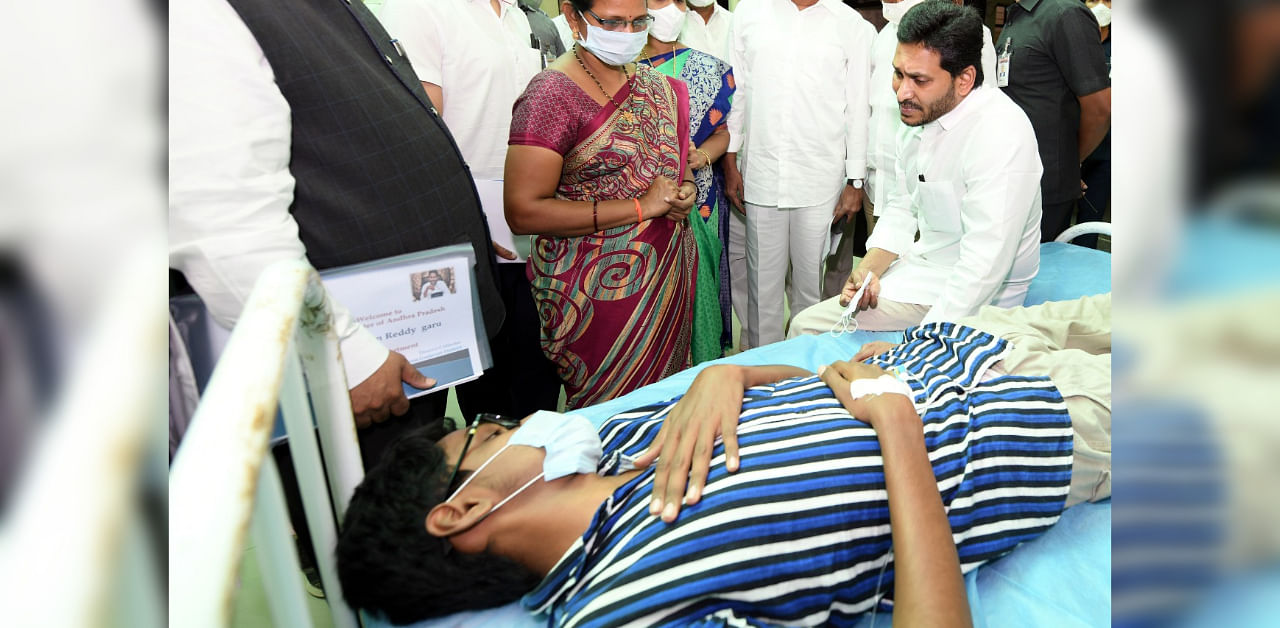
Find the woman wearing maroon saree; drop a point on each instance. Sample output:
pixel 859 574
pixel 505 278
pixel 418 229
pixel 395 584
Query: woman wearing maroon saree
pixel 596 169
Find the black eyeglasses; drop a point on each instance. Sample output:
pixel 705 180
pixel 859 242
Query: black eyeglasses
pixel 495 419
pixel 640 23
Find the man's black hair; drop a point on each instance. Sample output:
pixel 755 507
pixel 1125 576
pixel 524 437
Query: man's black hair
pixel 954 32
pixel 388 562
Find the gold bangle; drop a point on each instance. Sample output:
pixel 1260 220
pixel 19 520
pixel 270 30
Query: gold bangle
pixel 704 156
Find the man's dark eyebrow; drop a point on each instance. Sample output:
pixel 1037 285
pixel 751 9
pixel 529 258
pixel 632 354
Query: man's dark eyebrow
pixel 914 75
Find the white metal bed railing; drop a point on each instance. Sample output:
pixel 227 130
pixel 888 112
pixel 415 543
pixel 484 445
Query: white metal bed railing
pixel 223 484
pixel 1083 229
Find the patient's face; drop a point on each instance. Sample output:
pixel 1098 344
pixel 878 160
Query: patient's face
pixel 488 440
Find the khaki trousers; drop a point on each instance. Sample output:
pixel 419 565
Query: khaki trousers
pixel 1070 343
pixel 886 316
pixel 1067 341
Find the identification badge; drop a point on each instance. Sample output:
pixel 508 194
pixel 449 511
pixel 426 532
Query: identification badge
pixel 1002 64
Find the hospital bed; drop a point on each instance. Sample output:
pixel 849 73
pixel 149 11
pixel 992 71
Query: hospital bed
pixel 1060 579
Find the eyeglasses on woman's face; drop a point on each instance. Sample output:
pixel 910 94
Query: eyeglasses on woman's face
pixel 638 24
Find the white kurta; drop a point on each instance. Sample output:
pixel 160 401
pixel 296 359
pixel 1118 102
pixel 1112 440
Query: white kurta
pixel 712 36
pixel 800 113
pixel 566 33
pixel 970 183
pixel 481 61
pixel 886 119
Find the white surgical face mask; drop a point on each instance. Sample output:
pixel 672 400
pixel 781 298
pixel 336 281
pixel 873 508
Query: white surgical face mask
pixel 667 22
pixel 571 444
pixel 1103 13
pixel 701 3
pixel 893 11
pixel 613 47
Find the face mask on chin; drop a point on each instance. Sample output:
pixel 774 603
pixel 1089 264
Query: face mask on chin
pixel 571 445
pixel 667 23
pixel 893 11
pixel 613 47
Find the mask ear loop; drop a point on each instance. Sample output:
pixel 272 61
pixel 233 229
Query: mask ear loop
pixel 847 323
pixel 448 547
pixel 476 472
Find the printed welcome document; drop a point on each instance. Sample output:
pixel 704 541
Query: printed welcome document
pixel 422 305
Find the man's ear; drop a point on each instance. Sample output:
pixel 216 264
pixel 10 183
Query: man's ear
pixel 965 81
pixel 457 515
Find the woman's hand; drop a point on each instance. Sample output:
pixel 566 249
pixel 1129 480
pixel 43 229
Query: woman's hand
pixel 656 201
pixel 697 159
pixel 684 444
pixel 682 204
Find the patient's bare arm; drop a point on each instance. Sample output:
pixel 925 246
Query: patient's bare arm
pixel 928 584
pixel 688 434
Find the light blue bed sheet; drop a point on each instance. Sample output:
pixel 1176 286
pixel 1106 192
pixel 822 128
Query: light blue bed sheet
pixel 1060 579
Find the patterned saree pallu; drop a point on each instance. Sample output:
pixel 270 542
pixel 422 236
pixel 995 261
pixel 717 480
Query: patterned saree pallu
pixel 616 306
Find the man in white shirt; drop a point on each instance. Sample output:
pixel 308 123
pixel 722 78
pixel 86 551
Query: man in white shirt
pixel 799 120
pixel 885 120
pixel 566 33
pixel 707 28
pixel 968 181
pixel 474 58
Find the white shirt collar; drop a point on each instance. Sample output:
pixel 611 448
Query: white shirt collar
pixel 970 104
pixel 827 4
pixel 718 13
pixel 506 4
pixel 830 4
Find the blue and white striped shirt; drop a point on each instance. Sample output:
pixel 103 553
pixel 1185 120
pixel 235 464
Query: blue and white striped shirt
pixel 799 535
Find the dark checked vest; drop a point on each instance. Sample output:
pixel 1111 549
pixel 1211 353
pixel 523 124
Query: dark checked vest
pixel 377 172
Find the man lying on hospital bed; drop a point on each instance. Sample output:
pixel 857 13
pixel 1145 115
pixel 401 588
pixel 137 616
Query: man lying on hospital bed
pixel 821 495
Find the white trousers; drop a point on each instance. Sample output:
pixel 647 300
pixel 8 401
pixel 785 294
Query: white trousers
pixel 782 239
pixel 738 271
